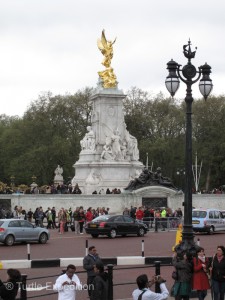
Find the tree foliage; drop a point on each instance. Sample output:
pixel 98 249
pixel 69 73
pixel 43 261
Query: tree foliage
pixel 50 131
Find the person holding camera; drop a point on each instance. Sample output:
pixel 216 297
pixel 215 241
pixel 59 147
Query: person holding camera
pixel 144 293
pixel 67 284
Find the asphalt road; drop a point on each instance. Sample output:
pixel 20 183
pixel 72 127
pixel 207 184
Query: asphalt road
pixel 71 245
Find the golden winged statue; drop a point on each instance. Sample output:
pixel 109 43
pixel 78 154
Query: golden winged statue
pixel 106 47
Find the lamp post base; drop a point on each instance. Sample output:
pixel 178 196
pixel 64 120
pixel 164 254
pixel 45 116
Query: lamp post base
pixel 187 245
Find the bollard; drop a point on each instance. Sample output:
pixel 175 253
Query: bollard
pixel 28 251
pixel 157 272
pixel 110 280
pixel 86 250
pixel 156 224
pixel 198 242
pixel 23 287
pixel 142 248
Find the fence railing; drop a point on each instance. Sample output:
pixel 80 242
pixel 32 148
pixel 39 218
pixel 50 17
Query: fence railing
pixel 155 224
pixel 110 269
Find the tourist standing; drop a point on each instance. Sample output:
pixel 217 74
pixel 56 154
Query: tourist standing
pixel 218 273
pixel 9 290
pixel 100 283
pixel 200 281
pixel 30 215
pixel 61 220
pixel 89 262
pixel 76 220
pixel 140 214
pixel 81 219
pixel 54 217
pixel 89 215
pixel 67 284
pixel 184 268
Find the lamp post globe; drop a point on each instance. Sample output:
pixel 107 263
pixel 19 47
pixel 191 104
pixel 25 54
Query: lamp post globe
pixel 189 75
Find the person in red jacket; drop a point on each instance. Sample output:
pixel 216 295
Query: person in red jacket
pixel 200 281
pixel 89 215
pixel 139 214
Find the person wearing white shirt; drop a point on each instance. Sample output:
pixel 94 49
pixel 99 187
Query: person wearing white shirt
pixel 67 284
pixel 144 293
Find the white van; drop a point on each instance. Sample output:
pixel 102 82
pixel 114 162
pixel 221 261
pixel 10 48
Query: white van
pixel 207 220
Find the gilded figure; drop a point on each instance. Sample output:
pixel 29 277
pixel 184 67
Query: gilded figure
pixel 106 47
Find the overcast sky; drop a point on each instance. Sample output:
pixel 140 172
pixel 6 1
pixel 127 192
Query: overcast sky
pixel 50 45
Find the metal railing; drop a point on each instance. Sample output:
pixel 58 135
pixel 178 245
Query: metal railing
pixel 169 223
pixel 111 285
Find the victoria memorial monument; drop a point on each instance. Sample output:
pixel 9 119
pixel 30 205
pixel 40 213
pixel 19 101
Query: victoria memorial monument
pixel 109 156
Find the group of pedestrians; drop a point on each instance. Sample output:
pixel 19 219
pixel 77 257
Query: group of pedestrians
pixel 97 279
pixel 77 219
pixel 192 273
pixel 200 274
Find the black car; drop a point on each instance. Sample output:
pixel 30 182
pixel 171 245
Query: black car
pixel 115 225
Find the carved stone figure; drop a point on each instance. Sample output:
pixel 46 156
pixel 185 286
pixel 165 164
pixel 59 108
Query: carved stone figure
pixel 107 153
pixel 148 178
pixel 88 142
pixel 139 181
pixel 162 180
pixel 58 171
pixel 116 148
pixel 93 178
pixel 132 145
pixel 58 179
pixel 133 148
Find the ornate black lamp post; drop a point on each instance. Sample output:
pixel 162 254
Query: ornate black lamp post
pixel 189 75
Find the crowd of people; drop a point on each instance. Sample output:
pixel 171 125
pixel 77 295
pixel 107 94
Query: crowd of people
pixel 163 216
pixel 62 220
pixel 76 219
pixel 192 272
pixel 199 273
pixel 53 189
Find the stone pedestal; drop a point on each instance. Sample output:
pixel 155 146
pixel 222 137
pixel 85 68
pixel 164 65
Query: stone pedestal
pixel 109 157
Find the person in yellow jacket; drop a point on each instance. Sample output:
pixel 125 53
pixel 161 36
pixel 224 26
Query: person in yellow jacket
pixel 163 218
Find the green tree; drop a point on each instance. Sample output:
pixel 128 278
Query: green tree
pixel 209 139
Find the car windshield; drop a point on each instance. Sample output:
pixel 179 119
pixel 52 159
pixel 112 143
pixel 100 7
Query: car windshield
pixel 101 218
pixel 1 222
pixel 199 214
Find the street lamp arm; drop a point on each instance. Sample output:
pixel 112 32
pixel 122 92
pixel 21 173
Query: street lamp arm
pixel 190 81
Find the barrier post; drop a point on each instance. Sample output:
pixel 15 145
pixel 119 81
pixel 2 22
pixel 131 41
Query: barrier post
pixel 142 248
pixel 157 272
pixel 23 287
pixel 28 251
pixel 110 274
pixel 86 250
pixel 198 242
pixel 156 224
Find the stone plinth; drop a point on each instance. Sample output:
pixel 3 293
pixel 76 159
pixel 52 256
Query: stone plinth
pixel 109 156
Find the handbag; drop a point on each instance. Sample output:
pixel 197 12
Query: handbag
pixel 174 275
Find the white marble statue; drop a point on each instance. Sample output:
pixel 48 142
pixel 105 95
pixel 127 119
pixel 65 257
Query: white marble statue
pixel 88 142
pixel 93 178
pixel 116 147
pixel 58 175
